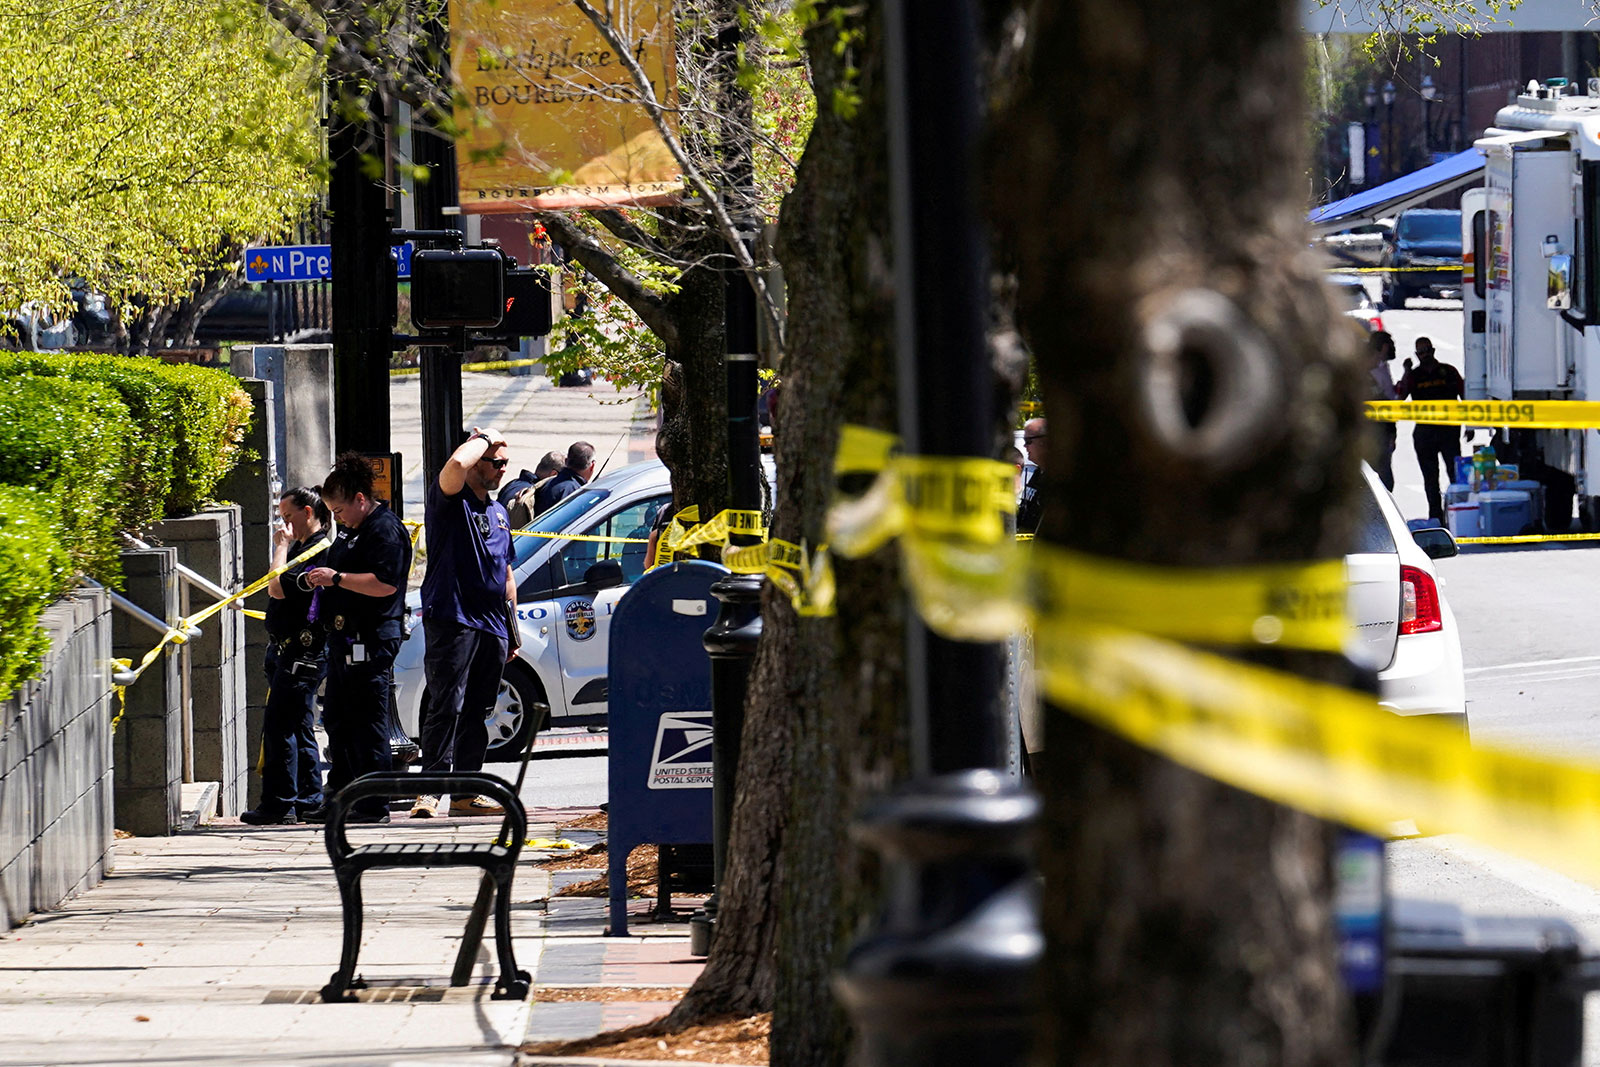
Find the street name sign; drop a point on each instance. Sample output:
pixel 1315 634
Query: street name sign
pixel 307 263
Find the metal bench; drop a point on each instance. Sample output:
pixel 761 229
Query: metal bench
pixel 497 858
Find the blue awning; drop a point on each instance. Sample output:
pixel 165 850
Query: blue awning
pixel 1390 198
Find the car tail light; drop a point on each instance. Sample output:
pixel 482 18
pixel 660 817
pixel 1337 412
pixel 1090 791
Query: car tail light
pixel 1419 602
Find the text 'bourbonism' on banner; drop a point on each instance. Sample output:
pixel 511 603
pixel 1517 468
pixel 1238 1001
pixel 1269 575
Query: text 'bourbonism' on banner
pixel 551 116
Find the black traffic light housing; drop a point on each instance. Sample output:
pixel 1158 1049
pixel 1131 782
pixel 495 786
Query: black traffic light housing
pixel 458 288
pixel 525 308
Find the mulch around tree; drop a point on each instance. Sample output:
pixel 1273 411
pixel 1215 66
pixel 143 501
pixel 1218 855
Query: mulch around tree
pixel 606 994
pixel 592 857
pixel 643 872
pixel 742 1040
pixel 593 821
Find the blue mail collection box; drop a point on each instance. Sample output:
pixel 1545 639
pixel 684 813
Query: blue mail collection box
pixel 1504 512
pixel 659 718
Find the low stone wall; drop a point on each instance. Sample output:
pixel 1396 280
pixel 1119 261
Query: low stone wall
pixel 55 765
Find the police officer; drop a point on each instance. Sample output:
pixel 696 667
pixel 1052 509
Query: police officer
pixel 291 782
pixel 465 597
pixel 1432 380
pixel 363 607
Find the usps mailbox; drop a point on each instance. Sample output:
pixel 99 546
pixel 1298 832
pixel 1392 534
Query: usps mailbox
pixel 660 718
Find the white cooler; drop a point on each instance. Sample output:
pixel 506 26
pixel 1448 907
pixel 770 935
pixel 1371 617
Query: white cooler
pixel 1462 519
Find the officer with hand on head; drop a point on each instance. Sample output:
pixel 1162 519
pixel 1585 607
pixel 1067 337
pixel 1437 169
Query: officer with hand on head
pixel 465 599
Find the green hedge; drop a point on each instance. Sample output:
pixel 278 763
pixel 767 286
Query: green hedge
pixel 70 440
pixel 36 571
pixel 91 445
pixel 187 421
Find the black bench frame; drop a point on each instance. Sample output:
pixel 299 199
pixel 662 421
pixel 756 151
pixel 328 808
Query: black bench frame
pixel 497 858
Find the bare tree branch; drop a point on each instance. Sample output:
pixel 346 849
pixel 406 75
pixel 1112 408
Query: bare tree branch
pixel 650 307
pixel 692 174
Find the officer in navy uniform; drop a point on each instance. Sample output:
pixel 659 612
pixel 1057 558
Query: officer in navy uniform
pixel 363 608
pixel 291 782
pixel 465 618
pixel 1432 380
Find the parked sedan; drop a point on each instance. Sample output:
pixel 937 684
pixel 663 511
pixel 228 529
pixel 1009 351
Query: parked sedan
pixel 564 606
pixel 1351 297
pixel 1404 626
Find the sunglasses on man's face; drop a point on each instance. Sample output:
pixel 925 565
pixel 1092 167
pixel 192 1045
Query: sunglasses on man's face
pixel 497 464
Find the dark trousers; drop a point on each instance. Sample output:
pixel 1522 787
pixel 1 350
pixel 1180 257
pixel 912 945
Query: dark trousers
pixel 1436 445
pixel 462 667
pixel 1383 453
pixel 290 775
pixel 356 714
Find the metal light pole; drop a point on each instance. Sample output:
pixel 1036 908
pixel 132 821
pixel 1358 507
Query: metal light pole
pixel 947 978
pixel 1430 92
pixel 1389 169
pixel 731 640
pixel 362 275
pixel 1370 98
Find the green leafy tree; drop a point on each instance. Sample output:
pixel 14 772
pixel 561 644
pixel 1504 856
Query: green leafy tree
pixel 142 139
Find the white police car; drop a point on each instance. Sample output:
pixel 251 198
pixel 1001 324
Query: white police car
pixel 565 620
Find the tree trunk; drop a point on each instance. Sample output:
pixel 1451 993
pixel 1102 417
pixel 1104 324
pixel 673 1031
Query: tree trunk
pixel 693 441
pixel 1155 147
pixel 824 727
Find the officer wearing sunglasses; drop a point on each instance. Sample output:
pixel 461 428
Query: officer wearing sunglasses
pixel 465 618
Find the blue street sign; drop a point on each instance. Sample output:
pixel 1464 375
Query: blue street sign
pixel 307 263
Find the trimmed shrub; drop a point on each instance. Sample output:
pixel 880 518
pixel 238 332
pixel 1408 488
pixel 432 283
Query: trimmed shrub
pixel 36 572
pixel 70 440
pixel 187 421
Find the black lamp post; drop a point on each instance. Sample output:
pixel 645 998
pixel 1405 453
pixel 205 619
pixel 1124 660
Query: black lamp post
pixel 1430 93
pixel 1388 130
pixel 1369 142
pixel 946 976
pixel 731 640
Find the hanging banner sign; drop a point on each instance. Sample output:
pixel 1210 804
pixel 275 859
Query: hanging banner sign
pixel 550 116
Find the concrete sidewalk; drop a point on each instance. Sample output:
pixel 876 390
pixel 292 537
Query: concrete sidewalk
pixel 211 947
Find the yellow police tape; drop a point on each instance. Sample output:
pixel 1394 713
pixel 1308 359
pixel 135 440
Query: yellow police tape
pixel 685 533
pixel 805 578
pixel 1106 637
pixel 1324 750
pixel 1289 605
pixel 1393 270
pixel 549 843
pixel 949 515
pixel 498 364
pixel 177 633
pixel 1524 414
pixel 416 528
pixel 1526 539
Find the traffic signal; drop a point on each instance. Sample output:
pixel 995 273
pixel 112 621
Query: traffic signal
pixel 526 308
pixel 458 288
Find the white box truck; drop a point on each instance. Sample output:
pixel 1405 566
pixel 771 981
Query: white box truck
pixel 1531 277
